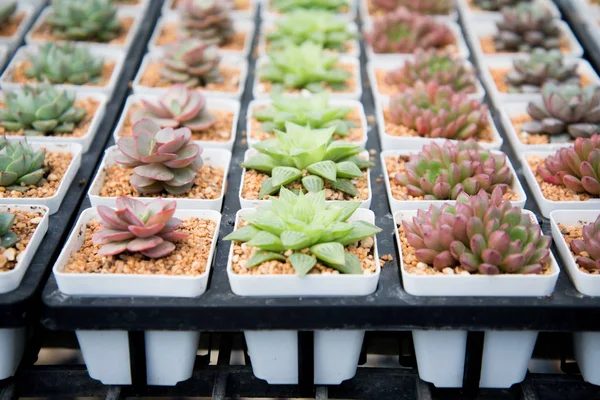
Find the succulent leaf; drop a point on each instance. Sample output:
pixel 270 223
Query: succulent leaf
pixel 526 26
pixel 207 20
pixel 192 63
pixel 84 20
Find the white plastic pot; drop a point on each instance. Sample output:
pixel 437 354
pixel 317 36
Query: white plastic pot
pixel 28 9
pixel 390 142
pixel 156 56
pixel 441 354
pixel 267 13
pixel 472 14
pixel 247 203
pixel 53 202
pixel 259 92
pixel 254 104
pixel 274 354
pixel 213 104
pixel 107 53
pixel 212 157
pixel 366 18
pixel 170 355
pixel 168 7
pixel 547 206
pixel 12 344
pixel 402 205
pixel 239 25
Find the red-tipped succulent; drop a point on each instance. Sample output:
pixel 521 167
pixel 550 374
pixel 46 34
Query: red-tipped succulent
pixel 162 159
pixel 587 250
pixel 149 229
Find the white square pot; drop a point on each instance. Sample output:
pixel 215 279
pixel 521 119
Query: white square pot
pixel 505 354
pixel 389 65
pixel 254 104
pixel 168 6
pixel 213 104
pixel 213 157
pixel 472 14
pixel 267 13
pixel 587 353
pixel 170 355
pixel 247 203
pixel 463 49
pixel 402 205
pixel 547 206
pixel 10 280
pixel 239 25
pixel 274 354
pixel 12 344
pixel 259 92
pixel 29 10
pixel 268 26
pixel 366 18
pixel 390 142
pixel 231 61
pixel 53 202
pixel 107 53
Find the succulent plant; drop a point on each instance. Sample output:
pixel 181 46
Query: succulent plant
pixel 401 31
pixel 179 106
pixel 565 109
pixel 149 229
pixel 286 6
pixel 40 110
pixel 541 66
pixel 162 159
pixel 429 7
pixel 587 249
pixel 436 111
pixel 310 155
pixel 7 9
pixel 84 20
pixel 294 222
pixel 303 67
pixel 525 27
pixel 441 66
pixel 444 172
pixel 576 167
pixel 325 29
pixel 64 63
pixel 192 63
pixel 314 111
pixel 7 237
pixel 20 165
pixel 207 20
pixel 481 233
pixel 496 5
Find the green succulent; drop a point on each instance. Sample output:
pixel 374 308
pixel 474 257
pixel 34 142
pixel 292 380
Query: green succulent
pixel 84 20
pixel 7 9
pixel 64 63
pixel 298 221
pixel 7 237
pixel 40 110
pixel 285 6
pixel 314 111
pixel 20 165
pixel 310 155
pixel 306 66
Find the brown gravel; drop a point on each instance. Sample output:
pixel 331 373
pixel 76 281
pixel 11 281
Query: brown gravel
pixel 207 186
pixel 18 74
pixel 412 266
pixel 238 5
pixel 570 233
pixel 498 75
pixel 12 25
pixel 354 135
pixel 24 226
pixel 169 35
pixel 44 32
pixel 488 46
pixel 56 164
pixel 351 83
pixel 152 78
pixel 524 137
pixel 88 104
pixel 396 164
pixel 189 258
pixel 554 192
pixel 401 130
pixel 254 179
pixel 219 132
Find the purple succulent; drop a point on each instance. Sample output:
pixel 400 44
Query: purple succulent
pixel 587 249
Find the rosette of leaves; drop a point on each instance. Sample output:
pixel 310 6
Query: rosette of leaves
pixel 208 20
pixel 286 6
pixel 20 165
pixel 192 63
pixel 525 27
pixel 40 110
pixel 7 237
pixel 64 63
pixel 306 66
pixel 308 228
pixel 441 66
pixel 309 155
pixel 587 249
pixel 496 5
pixel 444 172
pixel 402 31
pixel 328 30
pixel 7 10
pixel 437 111
pixel 577 167
pixel 482 234
pixel 135 227
pixel 429 7
pixel 565 109
pixel 541 66
pixel 84 20
pixel 314 111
